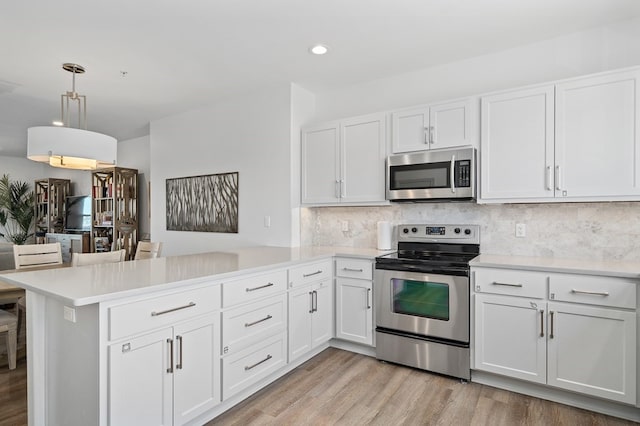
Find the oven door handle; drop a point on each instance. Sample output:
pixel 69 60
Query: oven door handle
pixel 452 174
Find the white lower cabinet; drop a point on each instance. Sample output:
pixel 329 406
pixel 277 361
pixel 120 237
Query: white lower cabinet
pixel 586 343
pixel 167 377
pixel 310 317
pixel 510 337
pixel 592 351
pixel 354 300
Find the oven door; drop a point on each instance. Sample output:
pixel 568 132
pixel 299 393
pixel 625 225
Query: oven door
pixel 423 304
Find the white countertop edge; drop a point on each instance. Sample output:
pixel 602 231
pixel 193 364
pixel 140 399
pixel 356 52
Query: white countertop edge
pixel 307 256
pixel 621 269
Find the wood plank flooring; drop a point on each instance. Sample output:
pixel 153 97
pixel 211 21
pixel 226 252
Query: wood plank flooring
pixel 343 388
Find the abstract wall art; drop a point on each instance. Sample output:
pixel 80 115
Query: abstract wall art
pixel 203 203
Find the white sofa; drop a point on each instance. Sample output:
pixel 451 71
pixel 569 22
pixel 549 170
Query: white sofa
pixel 6 256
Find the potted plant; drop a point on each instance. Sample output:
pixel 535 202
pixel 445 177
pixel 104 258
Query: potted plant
pixel 16 210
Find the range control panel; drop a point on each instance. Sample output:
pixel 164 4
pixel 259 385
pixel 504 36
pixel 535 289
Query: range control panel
pixel 439 233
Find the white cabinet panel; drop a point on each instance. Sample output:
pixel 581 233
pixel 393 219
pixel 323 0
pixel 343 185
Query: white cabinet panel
pixel 140 387
pixel 510 337
pixel 322 321
pixel 310 317
pixel 593 351
pixel 516 146
pixel 597 139
pixel 443 125
pixel 354 313
pixel 321 164
pixel 344 162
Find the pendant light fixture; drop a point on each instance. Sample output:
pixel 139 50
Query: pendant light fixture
pixel 67 147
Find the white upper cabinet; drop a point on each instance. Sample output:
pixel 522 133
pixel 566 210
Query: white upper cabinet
pixel 344 162
pixel 597 139
pixel 577 140
pixel 516 145
pixel 321 164
pixel 435 126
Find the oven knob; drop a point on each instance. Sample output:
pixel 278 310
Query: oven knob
pixel 405 230
pixel 457 230
pixel 414 230
pixel 467 231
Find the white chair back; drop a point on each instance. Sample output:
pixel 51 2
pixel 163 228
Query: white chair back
pixel 82 259
pixel 35 255
pixel 147 250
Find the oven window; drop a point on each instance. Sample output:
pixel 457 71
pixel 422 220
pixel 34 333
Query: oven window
pixel 421 298
pixel 420 176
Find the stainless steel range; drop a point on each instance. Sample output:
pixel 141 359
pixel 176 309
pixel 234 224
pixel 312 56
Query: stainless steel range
pixel 422 298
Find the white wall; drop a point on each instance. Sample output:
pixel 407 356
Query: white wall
pixel 600 49
pixel 249 134
pixel 596 230
pixel 134 153
pixel 27 170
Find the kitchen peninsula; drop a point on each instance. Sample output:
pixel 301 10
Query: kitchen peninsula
pixel 146 342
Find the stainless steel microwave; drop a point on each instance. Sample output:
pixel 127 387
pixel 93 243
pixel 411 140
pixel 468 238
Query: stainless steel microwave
pixel 440 175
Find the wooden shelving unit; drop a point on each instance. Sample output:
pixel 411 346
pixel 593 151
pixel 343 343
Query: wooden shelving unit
pixel 50 195
pixel 114 221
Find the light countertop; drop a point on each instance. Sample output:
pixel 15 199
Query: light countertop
pixel 551 264
pixel 86 285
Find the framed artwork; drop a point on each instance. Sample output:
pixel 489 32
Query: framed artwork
pixel 206 203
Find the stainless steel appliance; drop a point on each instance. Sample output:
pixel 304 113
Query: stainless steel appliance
pixel 422 298
pixel 439 175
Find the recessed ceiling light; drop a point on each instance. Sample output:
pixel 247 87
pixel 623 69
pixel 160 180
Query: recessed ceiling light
pixel 319 49
pixel 57 123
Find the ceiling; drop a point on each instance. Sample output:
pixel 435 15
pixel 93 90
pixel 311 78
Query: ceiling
pixel 147 59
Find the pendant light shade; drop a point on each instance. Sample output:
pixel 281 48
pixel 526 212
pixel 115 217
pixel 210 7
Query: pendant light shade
pixel 71 148
pixel 68 147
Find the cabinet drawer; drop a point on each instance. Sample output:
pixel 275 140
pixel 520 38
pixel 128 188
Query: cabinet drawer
pixel 149 314
pixel 252 364
pixel 250 323
pixel 253 288
pixel 511 282
pixel 310 272
pixel 354 268
pixel 593 290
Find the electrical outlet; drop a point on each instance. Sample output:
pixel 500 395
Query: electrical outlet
pixel 345 225
pixel 521 230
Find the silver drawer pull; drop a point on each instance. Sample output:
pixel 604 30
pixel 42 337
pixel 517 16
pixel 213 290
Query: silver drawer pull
pixel 249 324
pixel 155 314
pixel 353 269
pixel 312 274
pixel 595 293
pixel 507 284
pixel 249 367
pixel 258 288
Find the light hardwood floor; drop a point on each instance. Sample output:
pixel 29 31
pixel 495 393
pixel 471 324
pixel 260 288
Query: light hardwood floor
pixel 343 388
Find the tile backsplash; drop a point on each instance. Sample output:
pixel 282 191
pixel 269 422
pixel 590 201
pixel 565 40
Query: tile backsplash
pixel 608 231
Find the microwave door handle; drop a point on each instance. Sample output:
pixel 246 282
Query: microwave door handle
pixel 452 174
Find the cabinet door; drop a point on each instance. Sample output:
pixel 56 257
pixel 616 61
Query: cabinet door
pixel 354 315
pixel 410 130
pixel 320 160
pixel 363 151
pixel 593 351
pixel 197 368
pixel 322 316
pixel 510 337
pixel 516 145
pixel 452 124
pixel 300 304
pixel 597 136
pixel 141 381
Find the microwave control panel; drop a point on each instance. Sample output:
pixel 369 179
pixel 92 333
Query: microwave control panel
pixel 462 173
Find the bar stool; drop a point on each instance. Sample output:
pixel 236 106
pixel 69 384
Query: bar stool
pixel 9 325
